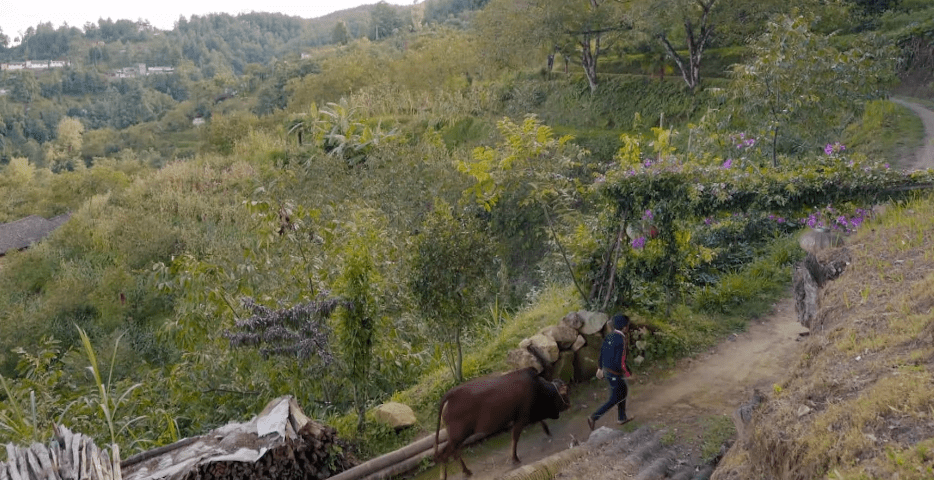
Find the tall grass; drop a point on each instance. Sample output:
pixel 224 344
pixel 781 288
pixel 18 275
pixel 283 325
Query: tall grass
pixel 108 401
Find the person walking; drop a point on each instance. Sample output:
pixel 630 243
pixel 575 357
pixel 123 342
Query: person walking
pixel 612 367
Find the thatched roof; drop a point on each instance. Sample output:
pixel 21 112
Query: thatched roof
pixel 27 231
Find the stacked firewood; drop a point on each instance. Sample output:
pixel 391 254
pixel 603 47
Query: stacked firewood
pixel 280 442
pixel 311 454
pixel 68 456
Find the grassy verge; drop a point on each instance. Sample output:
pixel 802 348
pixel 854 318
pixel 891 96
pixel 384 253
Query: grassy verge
pixel 860 403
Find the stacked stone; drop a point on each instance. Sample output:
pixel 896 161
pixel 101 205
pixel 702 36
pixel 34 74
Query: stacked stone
pixel 572 346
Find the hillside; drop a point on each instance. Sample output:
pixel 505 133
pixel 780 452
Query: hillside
pixel 388 217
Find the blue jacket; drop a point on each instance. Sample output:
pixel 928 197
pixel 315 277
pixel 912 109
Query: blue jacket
pixel 613 354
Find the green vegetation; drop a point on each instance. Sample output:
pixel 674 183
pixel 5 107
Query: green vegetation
pixel 449 197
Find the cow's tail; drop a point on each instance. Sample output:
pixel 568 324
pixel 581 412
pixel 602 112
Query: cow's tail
pixel 444 400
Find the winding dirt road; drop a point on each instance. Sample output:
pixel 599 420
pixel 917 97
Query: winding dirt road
pixel 924 157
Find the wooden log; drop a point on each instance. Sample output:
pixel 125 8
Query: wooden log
pixel 401 467
pixel 379 463
pixel 55 452
pixel 44 458
pixel 77 466
pixel 16 472
pixel 115 462
pixel 142 457
pixel 84 469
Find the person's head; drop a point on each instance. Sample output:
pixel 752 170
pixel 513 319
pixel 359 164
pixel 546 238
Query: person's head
pixel 620 321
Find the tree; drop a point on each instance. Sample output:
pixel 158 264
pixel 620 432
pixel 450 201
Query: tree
pixel 450 264
pixel 586 27
pixel 65 152
pixel 531 173
pixel 384 21
pixel 25 87
pixel 357 318
pixel 4 40
pixel 696 35
pixel 340 35
pixel 800 89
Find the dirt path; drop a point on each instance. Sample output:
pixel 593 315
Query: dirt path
pixel 680 400
pixel 924 157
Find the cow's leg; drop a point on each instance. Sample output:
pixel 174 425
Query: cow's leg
pixel 516 431
pixel 545 427
pixel 467 471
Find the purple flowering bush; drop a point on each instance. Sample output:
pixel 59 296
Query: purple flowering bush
pixel 834 149
pixel 836 219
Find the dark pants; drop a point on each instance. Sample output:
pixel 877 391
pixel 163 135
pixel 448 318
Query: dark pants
pixel 618 392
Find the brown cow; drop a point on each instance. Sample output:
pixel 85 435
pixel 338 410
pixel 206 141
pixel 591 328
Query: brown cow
pixel 489 404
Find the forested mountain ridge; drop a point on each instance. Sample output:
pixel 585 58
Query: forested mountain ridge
pixel 451 181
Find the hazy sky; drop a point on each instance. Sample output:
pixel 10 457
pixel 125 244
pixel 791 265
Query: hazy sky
pixel 18 15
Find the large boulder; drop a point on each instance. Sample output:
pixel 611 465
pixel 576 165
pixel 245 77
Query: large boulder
pixel 521 358
pixel 396 415
pixel 563 335
pixel 585 363
pixel 573 320
pixel 564 367
pixel 593 322
pixel 594 341
pixel 543 344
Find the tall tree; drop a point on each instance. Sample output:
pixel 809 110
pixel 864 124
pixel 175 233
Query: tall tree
pixel 801 89
pixel 693 16
pixel 340 35
pixel 449 276
pixel 358 320
pixel 65 152
pixel 384 21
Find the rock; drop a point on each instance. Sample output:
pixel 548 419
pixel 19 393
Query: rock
pixel 742 416
pixel 396 415
pixel 585 363
pixel 522 358
pixel 563 335
pixel 593 341
pixel 524 344
pixel 564 367
pixel 809 276
pixel 580 342
pixel 573 320
pixel 814 241
pixel 546 346
pixel 803 410
pixel 593 322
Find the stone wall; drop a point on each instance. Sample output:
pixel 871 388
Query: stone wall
pixel 572 346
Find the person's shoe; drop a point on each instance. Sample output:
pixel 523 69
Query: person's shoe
pixel 591 423
pixel 624 421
